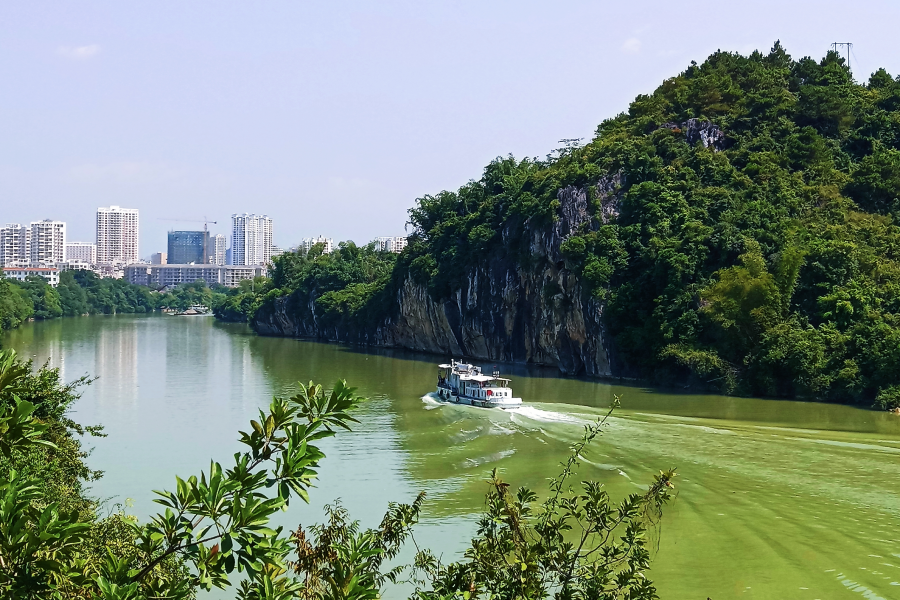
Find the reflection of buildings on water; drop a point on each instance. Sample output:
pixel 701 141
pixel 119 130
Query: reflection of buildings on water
pixel 116 361
pixel 53 356
pixel 56 358
pixel 220 368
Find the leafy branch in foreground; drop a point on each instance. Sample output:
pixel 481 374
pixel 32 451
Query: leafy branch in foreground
pixel 212 525
pixel 577 544
pixel 337 560
pixel 219 522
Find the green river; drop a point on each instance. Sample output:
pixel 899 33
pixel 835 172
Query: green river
pixel 776 499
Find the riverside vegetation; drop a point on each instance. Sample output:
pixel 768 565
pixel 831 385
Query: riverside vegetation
pixel 83 293
pixel 55 543
pixel 743 233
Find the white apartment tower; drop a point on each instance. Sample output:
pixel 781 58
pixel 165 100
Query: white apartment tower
pixel 15 244
pixel 82 251
pixel 219 243
pixel 117 235
pixel 251 239
pixel 48 242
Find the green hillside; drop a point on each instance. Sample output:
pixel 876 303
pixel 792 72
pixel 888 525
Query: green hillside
pixel 743 237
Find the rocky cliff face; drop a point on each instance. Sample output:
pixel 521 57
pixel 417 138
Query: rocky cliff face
pixel 534 313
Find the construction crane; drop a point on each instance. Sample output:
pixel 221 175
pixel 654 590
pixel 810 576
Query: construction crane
pixel 205 222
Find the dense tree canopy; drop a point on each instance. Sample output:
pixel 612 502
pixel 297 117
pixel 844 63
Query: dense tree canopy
pixel 78 293
pixel 83 293
pixel 345 284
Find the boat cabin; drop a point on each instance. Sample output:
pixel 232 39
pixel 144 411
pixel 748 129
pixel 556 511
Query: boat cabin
pixel 466 380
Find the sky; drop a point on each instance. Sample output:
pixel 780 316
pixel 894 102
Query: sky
pixel 333 117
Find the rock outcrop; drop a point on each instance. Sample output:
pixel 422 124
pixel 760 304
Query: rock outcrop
pixel 705 132
pixel 532 313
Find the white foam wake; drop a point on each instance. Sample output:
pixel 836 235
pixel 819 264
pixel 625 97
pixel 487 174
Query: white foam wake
pixel 431 401
pixel 546 416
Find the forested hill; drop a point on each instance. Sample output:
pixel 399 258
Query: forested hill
pixel 740 231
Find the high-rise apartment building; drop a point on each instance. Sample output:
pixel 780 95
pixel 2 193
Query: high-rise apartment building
pixel 219 242
pixel 189 247
pixel 117 235
pixel 48 242
pixel 81 251
pixel 15 244
pixel 36 244
pixel 251 239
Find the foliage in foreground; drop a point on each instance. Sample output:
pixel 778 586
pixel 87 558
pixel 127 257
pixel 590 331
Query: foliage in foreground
pixel 577 544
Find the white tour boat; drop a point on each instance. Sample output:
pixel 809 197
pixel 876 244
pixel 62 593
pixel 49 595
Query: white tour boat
pixel 464 383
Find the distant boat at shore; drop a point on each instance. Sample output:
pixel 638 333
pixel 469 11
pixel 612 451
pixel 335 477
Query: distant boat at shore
pixel 197 309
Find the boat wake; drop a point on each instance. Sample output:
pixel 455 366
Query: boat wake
pixel 530 413
pixel 545 416
pixel 432 401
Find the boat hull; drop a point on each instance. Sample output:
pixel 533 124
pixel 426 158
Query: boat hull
pixel 448 395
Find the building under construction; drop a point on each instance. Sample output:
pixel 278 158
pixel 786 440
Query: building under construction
pixel 190 247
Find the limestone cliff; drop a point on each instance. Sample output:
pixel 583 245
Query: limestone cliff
pixel 536 313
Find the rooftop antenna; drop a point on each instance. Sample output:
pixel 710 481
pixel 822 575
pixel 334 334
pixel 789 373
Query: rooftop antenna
pixel 848 45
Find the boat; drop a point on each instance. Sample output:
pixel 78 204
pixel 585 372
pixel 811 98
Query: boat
pixel 195 309
pixel 464 383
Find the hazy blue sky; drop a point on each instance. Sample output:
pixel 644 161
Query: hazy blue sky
pixel 332 117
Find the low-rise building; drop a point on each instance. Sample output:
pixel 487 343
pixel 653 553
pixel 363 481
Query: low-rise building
pixel 82 251
pixel 109 270
pixel 172 275
pixel 308 243
pixel 74 265
pixel 51 274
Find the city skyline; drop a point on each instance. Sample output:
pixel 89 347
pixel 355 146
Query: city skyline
pixel 16 241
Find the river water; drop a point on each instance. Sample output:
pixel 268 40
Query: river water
pixel 776 499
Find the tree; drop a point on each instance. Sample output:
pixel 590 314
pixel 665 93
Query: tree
pixel 15 305
pixel 44 298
